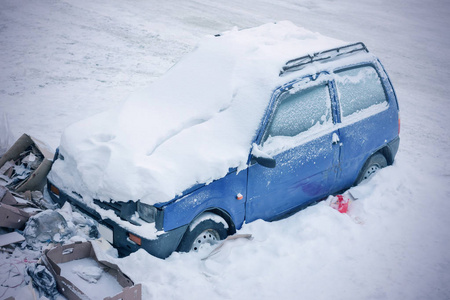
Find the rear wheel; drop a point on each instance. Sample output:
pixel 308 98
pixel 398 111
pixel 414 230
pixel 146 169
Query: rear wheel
pixel 372 165
pixel 208 231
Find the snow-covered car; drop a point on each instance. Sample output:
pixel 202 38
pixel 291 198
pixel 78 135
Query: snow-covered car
pixel 253 124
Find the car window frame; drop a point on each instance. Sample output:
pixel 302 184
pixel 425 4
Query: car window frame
pixel 340 116
pixel 319 78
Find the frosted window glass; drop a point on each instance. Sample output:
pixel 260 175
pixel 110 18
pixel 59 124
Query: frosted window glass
pixel 300 111
pixel 358 89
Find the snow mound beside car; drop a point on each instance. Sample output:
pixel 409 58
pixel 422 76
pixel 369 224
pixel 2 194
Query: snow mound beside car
pixel 190 126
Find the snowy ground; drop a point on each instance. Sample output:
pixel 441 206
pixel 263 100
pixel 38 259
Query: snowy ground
pixel 62 61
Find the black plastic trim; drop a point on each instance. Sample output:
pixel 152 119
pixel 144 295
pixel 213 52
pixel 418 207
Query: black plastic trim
pixel 393 149
pixel 298 63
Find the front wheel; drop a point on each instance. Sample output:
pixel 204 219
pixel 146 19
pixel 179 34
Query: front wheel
pixel 372 165
pixel 208 231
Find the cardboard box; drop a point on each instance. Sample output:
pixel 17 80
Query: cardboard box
pixel 56 257
pixel 37 152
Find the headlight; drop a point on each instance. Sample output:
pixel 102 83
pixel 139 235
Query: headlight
pixel 146 212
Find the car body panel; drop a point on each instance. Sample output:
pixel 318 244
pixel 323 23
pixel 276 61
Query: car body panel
pixel 361 137
pixel 222 194
pixel 303 174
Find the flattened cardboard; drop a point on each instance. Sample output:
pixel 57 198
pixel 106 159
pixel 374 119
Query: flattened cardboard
pixel 14 199
pixel 61 254
pixel 37 179
pixel 6 197
pixel 7 168
pixel 12 214
pixel 13 217
pixel 11 238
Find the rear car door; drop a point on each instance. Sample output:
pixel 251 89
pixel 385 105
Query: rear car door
pixel 366 122
pixel 301 136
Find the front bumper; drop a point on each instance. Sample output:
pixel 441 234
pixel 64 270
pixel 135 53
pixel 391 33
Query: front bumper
pixel 161 247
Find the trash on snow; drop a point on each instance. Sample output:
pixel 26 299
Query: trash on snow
pixel 43 280
pixel 340 203
pixel 25 165
pixel 80 275
pixel 15 211
pixel 11 238
pixel 45 227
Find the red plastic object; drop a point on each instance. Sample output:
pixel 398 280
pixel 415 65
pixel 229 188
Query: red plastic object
pixel 340 203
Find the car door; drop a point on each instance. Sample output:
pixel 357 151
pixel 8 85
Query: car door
pixel 365 121
pixel 302 138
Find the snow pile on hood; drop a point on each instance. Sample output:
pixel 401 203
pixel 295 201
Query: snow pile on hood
pixel 189 127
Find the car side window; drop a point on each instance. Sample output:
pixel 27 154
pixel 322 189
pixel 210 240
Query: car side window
pixel 300 110
pixel 358 89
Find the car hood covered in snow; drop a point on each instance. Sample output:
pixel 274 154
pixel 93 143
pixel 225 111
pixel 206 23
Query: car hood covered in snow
pixel 190 126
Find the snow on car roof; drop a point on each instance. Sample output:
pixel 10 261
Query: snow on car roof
pixel 189 127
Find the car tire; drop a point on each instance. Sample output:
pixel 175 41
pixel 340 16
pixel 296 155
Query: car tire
pixel 207 231
pixel 372 165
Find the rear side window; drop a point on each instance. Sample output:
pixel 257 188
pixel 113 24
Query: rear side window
pixel 358 89
pixel 299 111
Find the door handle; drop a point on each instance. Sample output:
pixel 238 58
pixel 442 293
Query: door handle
pixel 335 139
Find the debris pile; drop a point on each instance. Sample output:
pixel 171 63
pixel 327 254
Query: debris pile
pixel 23 172
pixel 14 172
pixel 42 280
pixel 24 167
pixel 33 228
pixel 15 209
pixel 46 227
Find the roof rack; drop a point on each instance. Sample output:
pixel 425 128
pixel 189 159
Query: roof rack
pixel 299 63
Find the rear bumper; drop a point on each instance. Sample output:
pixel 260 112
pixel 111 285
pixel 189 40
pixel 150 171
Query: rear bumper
pixel 161 247
pixel 393 149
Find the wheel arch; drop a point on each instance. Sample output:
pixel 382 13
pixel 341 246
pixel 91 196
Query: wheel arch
pixel 214 210
pixel 385 151
pixel 225 215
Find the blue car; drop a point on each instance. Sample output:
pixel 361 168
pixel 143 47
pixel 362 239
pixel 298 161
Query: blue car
pixel 330 121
